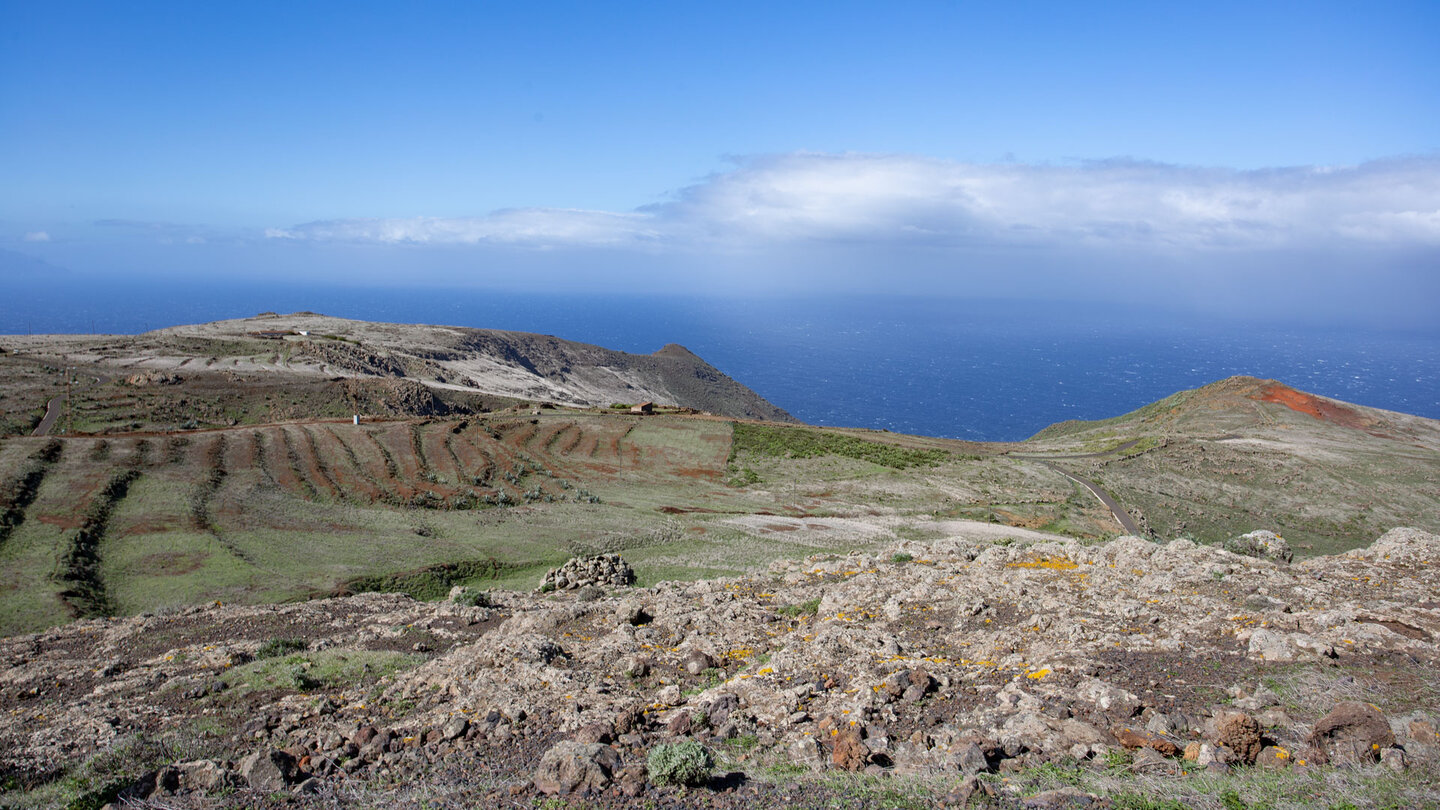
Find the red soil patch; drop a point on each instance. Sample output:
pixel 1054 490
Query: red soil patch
pixel 171 563
pixel 698 472
pixel 1321 409
pixel 152 526
pixel 61 521
pixel 312 466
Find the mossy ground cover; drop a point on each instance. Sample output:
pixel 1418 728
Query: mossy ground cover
pixel 325 670
pixel 787 442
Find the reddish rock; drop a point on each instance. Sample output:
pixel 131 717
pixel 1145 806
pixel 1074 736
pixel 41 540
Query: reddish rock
pixel 595 733
pixel 1352 733
pixel 1240 733
pixel 1138 738
pixel 850 751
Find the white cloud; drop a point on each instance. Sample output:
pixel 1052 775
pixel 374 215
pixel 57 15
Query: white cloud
pixel 890 200
pixel 36 236
pixel 538 227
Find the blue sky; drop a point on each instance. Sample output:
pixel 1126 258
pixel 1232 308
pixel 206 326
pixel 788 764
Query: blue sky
pixel 1199 152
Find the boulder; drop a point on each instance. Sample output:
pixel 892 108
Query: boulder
pixel 968 758
pixel 807 752
pixel 1238 732
pixel 455 727
pixel 850 752
pixel 1112 701
pixel 1133 739
pixel 603 570
pixel 697 662
pixel 1273 756
pixel 270 771
pixel 1353 733
pixel 205 774
pixel 574 767
pixel 1261 544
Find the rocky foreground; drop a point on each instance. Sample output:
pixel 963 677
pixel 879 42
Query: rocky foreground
pixel 955 667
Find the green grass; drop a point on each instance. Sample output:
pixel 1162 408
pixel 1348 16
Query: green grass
pixel 806 608
pixel 316 671
pixel 1240 789
pixel 276 647
pixel 90 783
pixel 787 442
pixel 432 582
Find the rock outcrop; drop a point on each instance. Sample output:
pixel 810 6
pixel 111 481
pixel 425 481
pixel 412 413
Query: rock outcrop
pixel 600 571
pixel 969 656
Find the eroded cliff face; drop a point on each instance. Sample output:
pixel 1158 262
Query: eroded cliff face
pixel 955 657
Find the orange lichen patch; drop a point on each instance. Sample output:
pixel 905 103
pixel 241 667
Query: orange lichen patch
pixel 1046 561
pixel 1321 409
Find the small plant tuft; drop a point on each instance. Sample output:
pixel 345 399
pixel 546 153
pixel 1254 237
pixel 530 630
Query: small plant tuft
pixel 276 647
pixel 806 608
pixel 474 597
pixel 683 763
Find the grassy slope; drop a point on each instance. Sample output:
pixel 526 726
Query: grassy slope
pixel 256 514
pixel 278 512
pixel 1221 460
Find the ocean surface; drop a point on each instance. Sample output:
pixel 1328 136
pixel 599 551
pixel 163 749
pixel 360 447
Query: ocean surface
pixel 980 370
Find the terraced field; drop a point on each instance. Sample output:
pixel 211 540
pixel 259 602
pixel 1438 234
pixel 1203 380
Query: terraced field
pixel 127 523
pixel 121 524
pixel 124 523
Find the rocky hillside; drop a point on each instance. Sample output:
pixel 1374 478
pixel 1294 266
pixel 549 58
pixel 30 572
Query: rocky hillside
pixel 1045 672
pixel 516 365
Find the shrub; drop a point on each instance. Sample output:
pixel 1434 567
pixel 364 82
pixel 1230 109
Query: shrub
pixel 902 557
pixel 788 442
pixel 684 763
pixel 276 647
pixel 473 597
pixel 806 608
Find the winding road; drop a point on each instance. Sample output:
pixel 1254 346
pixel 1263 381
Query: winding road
pixel 1121 516
pixel 57 402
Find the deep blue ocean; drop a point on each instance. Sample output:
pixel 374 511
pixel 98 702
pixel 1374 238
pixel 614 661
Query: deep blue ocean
pixel 981 370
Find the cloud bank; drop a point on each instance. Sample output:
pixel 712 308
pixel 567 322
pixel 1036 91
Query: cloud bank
pixel 895 201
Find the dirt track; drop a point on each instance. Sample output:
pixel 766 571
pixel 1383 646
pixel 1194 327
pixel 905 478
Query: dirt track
pixel 52 408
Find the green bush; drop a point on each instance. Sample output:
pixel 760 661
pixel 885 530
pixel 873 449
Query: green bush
pixel 902 557
pixel 684 763
pixel 806 443
pixel 276 647
pixel 807 608
pixel 473 597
